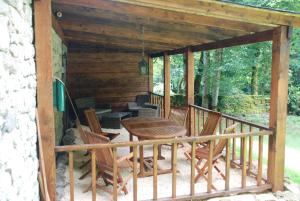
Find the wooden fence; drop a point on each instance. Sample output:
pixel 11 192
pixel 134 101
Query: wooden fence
pixel 157 100
pixel 261 185
pixel 198 116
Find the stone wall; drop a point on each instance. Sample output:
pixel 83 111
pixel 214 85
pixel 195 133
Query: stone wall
pixel 18 136
pixel 58 49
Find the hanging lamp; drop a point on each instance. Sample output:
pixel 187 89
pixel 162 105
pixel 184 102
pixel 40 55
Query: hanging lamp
pixel 143 64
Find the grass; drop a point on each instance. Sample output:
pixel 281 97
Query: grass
pixel 292 170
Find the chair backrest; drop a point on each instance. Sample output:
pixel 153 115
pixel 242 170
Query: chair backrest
pixel 104 156
pixel 86 102
pixel 142 99
pixel 148 112
pixel 179 115
pixel 222 142
pixel 211 123
pixel 81 132
pixel 92 120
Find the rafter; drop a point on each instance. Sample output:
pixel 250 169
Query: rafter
pixel 163 13
pixel 131 33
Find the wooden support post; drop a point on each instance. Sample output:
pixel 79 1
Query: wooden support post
pixel 167 85
pixel 278 106
pixel 189 77
pixel 150 74
pixel 43 47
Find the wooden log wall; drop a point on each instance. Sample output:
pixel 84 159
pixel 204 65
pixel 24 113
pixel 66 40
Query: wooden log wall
pixel 110 77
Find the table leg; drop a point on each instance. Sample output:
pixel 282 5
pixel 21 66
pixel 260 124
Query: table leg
pixel 142 167
pixel 130 139
pixel 160 157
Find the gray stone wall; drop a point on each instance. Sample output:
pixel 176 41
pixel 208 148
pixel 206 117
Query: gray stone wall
pixel 18 135
pixel 58 49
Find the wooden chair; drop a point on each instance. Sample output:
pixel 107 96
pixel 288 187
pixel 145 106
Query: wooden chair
pixel 211 124
pixel 179 115
pixel 95 126
pixel 104 161
pixel 85 140
pixel 202 154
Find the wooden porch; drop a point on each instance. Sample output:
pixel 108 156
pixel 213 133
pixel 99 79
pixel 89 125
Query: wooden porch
pixel 104 43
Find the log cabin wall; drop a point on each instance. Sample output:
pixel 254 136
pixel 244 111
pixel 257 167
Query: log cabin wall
pixel 110 77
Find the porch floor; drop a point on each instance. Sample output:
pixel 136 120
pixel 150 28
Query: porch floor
pixel 145 184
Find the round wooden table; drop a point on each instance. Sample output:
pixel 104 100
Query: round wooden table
pixel 150 128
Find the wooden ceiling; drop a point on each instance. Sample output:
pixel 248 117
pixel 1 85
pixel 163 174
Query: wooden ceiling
pixel 168 24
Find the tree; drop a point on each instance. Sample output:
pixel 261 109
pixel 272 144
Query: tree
pixel 217 77
pixel 206 64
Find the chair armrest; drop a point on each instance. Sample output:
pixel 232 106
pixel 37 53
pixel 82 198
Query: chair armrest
pixel 127 157
pixel 111 136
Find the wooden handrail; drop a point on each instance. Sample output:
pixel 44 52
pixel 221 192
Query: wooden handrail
pixel 234 118
pixel 156 94
pixel 162 141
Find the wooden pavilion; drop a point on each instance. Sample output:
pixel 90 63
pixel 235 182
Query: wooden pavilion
pixel 104 42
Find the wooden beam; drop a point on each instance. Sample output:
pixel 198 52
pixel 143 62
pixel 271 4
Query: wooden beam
pixel 278 107
pixel 134 32
pixel 189 59
pixel 189 78
pixel 223 10
pixel 236 41
pixel 167 85
pixel 56 26
pixel 115 42
pixel 101 15
pixel 43 46
pixel 150 78
pixel 164 12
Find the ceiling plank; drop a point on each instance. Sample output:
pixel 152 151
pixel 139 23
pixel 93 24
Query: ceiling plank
pixel 130 33
pixel 223 10
pixel 150 12
pixel 92 14
pixel 115 42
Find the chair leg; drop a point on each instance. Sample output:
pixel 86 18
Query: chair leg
pixel 85 164
pixel 85 174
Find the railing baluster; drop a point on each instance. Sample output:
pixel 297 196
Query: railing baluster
pixel 220 125
pixel 244 165
pixel 241 145
pixel 115 174
pixel 174 169
pixel 155 156
pixel 233 146
pixel 135 173
pixel 93 163
pixel 210 160
pixel 250 151
pixel 194 122
pixel 198 122
pixel 260 159
pixel 71 175
pixel 203 118
pixel 193 168
pixel 227 174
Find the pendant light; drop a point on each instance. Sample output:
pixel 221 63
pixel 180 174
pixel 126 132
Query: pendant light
pixel 143 64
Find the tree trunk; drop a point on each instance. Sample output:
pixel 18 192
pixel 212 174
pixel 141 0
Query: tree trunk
pixel 198 78
pixel 205 63
pixel 217 76
pixel 254 76
pixel 180 86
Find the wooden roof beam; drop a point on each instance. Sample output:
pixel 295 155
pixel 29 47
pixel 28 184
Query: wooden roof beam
pixel 242 40
pixel 92 14
pixel 223 10
pixel 149 36
pixel 163 12
pixel 103 40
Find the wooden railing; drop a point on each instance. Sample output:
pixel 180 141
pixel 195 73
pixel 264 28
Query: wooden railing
pixel 198 116
pixel 261 185
pixel 157 100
